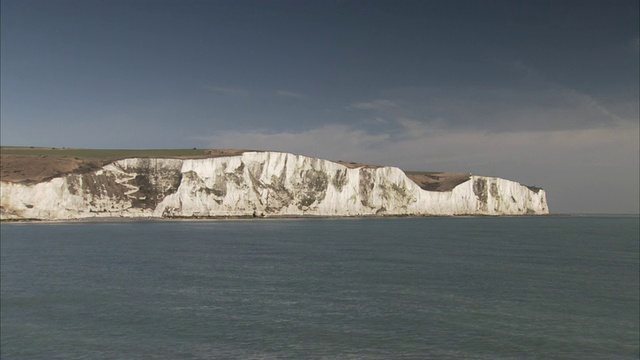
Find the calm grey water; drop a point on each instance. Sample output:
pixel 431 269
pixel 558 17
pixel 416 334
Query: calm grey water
pixel 459 288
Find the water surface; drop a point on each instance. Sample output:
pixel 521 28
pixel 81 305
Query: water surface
pixel 477 288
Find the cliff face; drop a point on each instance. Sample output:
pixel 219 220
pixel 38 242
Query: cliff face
pixel 260 183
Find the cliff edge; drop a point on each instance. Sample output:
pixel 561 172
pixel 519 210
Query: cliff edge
pixel 248 183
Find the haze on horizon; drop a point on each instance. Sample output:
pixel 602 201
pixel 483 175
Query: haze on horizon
pixel 541 92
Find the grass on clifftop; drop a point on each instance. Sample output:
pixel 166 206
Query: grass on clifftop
pixel 35 164
pixel 99 153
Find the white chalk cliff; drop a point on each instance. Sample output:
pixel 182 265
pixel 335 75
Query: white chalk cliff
pixel 257 183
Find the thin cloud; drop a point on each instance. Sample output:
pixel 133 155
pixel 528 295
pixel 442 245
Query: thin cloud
pixel 590 103
pixel 634 45
pixel 226 90
pixel 410 128
pixel 373 105
pixel 332 141
pixel 290 94
pixel 412 140
pixel 376 121
pixel 521 67
pixel 542 106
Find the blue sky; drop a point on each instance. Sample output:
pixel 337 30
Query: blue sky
pixel 541 92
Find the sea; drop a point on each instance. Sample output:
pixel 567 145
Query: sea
pixel 551 287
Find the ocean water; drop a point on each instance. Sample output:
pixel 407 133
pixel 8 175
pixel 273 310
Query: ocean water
pixel 393 288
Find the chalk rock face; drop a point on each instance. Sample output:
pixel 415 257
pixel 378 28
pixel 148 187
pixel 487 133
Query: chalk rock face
pixel 260 184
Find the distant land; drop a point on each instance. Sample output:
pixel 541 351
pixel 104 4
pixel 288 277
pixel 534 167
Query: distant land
pixel 66 183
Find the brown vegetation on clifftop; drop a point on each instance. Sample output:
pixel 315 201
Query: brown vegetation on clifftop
pixel 37 164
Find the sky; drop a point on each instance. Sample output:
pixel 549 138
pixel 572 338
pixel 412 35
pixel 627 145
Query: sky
pixel 540 92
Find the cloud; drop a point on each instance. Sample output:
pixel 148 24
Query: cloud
pixel 536 107
pixel 520 67
pixel 527 102
pixel 416 129
pixel 290 94
pixel 634 45
pixel 333 141
pixel 589 103
pixel 231 91
pixel 373 105
pixel 376 121
pixel 227 90
pixel 419 146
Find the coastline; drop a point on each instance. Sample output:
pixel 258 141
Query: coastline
pixel 272 217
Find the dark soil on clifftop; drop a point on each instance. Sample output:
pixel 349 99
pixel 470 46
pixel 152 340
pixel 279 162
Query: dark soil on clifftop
pixel 437 181
pixel 36 164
